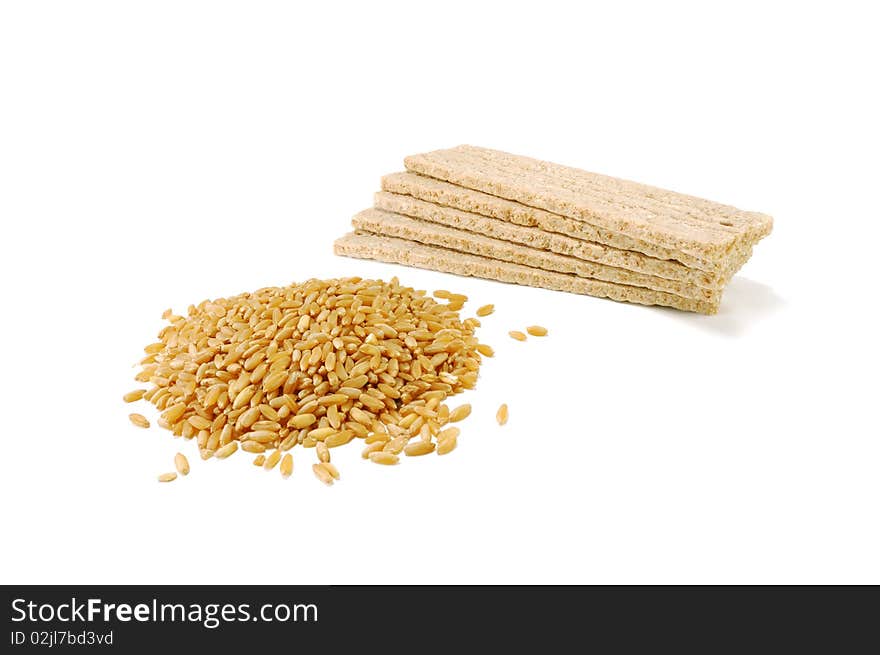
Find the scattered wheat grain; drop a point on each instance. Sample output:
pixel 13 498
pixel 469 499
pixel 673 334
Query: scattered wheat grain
pixel 139 420
pixel 460 413
pixel 272 459
pixel 132 396
pixel 384 458
pixel 286 465
pixel 181 463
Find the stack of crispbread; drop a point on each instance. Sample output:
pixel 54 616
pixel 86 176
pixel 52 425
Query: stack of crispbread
pixel 485 213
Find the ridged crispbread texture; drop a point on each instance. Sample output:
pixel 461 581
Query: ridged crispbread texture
pixel 552 241
pixel 385 223
pixel 681 223
pixel 458 197
pixel 409 253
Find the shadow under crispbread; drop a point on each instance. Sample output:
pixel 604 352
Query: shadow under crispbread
pixel 746 303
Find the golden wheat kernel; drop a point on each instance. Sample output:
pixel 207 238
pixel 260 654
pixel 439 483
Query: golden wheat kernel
pixel 447 444
pixel 268 426
pixel 384 458
pixel 331 469
pixel 485 310
pixel 259 460
pixel 167 477
pixel 227 450
pixel 181 463
pixel 173 413
pixel 132 396
pixel 339 438
pixel 322 451
pixel 537 331
pixel 199 422
pixel 460 413
pixel 286 465
pixel 302 421
pixel 272 459
pixel 373 447
pixel 396 445
pixel 516 334
pixel 426 433
pixel 319 434
pixel 417 448
pixel 262 436
pixel 322 474
pixel 485 350
pixel 202 438
pixel 448 433
pixel 139 420
pixel 501 414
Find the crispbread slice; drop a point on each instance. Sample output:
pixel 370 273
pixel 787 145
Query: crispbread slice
pixel 717 272
pixel 410 253
pixel 451 195
pixel 552 241
pixel 686 224
pixel 385 223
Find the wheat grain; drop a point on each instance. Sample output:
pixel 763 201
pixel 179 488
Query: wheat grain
pixel 226 450
pixel 485 310
pixel 139 420
pixel 181 463
pixel 286 465
pixel 132 396
pixel 322 474
pixel 332 470
pixel 272 459
pixel 384 458
pixel 447 444
pixel 419 448
pixel 460 413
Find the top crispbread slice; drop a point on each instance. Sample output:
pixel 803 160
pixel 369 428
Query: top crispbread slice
pixel 690 225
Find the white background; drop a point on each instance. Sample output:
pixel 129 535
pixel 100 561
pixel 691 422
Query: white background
pixel 156 154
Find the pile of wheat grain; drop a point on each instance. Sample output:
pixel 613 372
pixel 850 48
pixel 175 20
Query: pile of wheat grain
pixel 319 365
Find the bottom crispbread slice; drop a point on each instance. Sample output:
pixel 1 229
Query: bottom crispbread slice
pixel 384 223
pixel 411 253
